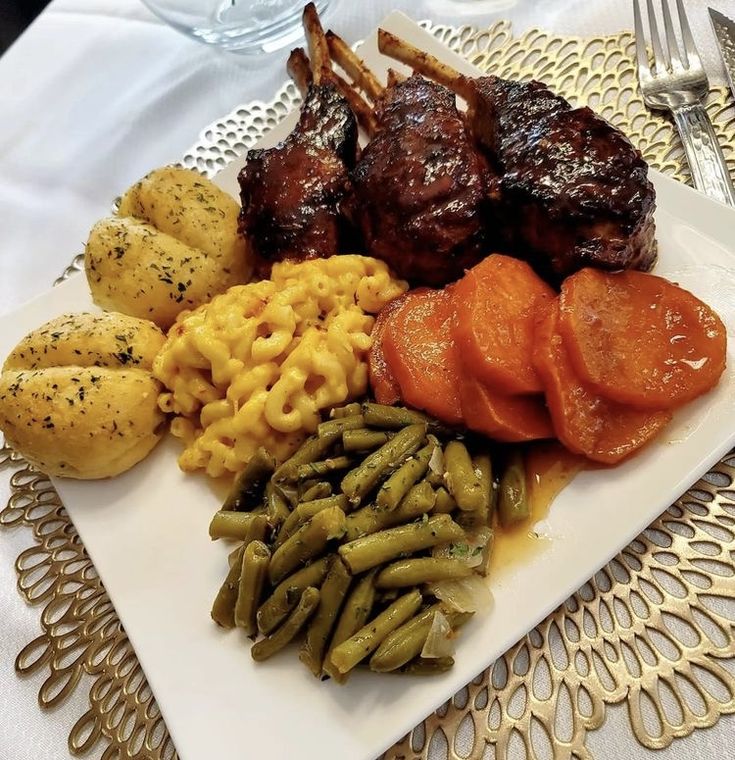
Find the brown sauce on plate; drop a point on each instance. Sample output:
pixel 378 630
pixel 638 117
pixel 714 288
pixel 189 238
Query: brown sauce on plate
pixel 549 468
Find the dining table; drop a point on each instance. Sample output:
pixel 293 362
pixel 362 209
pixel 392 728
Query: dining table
pixel 95 93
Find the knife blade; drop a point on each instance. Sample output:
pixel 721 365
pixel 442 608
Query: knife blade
pixel 725 32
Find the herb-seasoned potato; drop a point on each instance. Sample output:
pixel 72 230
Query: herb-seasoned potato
pixel 184 204
pixel 134 268
pixel 81 422
pixel 77 397
pixel 173 246
pixel 88 340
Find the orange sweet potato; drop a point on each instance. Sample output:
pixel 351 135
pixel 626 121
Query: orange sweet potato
pixel 503 417
pixel 585 422
pixel 419 350
pixel 639 339
pixel 384 384
pixel 496 303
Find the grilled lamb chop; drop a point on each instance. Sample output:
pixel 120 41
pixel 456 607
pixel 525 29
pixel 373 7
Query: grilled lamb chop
pixel 290 194
pixel 420 186
pixel 573 190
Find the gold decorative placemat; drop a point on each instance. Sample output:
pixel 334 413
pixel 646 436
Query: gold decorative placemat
pixel 650 629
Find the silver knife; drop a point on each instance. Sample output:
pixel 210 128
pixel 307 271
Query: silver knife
pixel 725 33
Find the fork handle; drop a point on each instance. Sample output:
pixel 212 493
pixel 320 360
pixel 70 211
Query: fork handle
pixel 709 169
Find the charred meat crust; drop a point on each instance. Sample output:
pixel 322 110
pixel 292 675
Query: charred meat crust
pixel 573 190
pixel 420 188
pixel 290 194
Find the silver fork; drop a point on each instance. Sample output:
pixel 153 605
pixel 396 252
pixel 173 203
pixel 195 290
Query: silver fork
pixel 678 83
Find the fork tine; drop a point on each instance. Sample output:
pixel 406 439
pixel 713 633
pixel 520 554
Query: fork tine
pixel 660 57
pixel 671 43
pixel 644 68
pixel 690 49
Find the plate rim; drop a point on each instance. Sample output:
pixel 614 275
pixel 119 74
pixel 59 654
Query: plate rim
pixel 703 465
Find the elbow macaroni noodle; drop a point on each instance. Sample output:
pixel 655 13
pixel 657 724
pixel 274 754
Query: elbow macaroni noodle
pixel 257 365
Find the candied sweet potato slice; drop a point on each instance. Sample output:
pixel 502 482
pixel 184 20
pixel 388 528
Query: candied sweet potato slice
pixel 419 349
pixel 639 339
pixel 382 380
pixel 585 422
pixel 503 417
pixel 496 303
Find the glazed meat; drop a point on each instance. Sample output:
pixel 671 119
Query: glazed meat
pixel 290 194
pixel 420 187
pixel 573 191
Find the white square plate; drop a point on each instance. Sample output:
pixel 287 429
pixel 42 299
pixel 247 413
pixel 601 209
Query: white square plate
pixel 146 532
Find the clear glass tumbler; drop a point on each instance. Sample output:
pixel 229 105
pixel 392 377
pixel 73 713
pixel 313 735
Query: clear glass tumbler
pixel 243 26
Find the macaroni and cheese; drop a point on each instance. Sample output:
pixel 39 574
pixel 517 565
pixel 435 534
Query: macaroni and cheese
pixel 257 365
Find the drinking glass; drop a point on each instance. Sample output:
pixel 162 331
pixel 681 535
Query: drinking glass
pixel 243 26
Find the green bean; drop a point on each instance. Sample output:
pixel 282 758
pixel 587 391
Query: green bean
pixel 418 570
pixel 396 417
pixel 308 509
pixel 333 591
pixel 339 425
pixel 231 524
pixel 247 490
pixel 377 548
pixel 354 615
pixel 387 596
pixel 252 580
pixel 305 511
pixel 303 485
pixel 363 439
pixel 277 508
pixel 311 450
pixel 445 502
pixel 232 556
pixel 324 467
pixel 422 666
pixel 513 504
pixel 461 479
pixel 484 463
pixel 370 519
pixel 267 647
pixel 479 518
pixel 348 410
pixel 483 467
pixel 419 499
pixel 290 525
pixel 360 481
pixel 256 530
pixel 307 542
pixel 285 595
pixel 406 642
pixel 319 490
pixel 400 482
pixel 223 608
pixel 349 653
pixel 289 491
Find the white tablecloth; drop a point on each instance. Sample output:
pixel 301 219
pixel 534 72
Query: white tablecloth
pixel 96 93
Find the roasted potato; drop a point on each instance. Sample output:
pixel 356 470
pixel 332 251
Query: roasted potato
pixel 89 340
pixel 77 397
pixel 191 208
pixel 81 422
pixel 134 268
pixel 173 246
